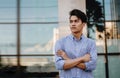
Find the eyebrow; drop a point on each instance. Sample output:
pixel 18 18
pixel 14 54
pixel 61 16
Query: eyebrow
pixel 74 20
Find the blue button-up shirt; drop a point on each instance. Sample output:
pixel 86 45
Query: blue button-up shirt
pixel 76 48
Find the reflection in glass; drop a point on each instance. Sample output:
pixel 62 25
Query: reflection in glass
pixel 8 61
pixel 7 39
pixel 7 65
pixel 114 65
pixel 95 23
pixel 39 11
pixel 100 69
pixel 8 10
pixel 108 10
pixel 37 38
pixel 95 16
pixel 115 12
pixel 38 63
pixel 112 11
pixel 112 35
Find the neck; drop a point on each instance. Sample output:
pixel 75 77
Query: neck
pixel 77 35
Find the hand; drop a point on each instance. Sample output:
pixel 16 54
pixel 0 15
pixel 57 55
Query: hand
pixel 86 58
pixel 62 54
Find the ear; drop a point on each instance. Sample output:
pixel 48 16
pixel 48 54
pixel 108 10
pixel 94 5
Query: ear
pixel 83 24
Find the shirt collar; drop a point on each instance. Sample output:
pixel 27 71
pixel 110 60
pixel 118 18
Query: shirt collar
pixel 73 38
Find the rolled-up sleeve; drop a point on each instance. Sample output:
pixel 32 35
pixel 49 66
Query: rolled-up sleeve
pixel 59 62
pixel 91 65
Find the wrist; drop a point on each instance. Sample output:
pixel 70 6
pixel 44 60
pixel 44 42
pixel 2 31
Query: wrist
pixel 81 59
pixel 66 58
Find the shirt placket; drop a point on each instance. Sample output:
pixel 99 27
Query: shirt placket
pixel 77 52
pixel 78 74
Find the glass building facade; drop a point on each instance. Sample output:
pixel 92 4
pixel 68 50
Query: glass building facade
pixel 30 28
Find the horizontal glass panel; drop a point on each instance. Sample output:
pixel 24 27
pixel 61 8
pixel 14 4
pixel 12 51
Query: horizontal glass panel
pixel 100 69
pixel 8 65
pixel 38 63
pixel 8 39
pixel 8 10
pixel 39 15
pixel 100 46
pixel 8 61
pixel 114 65
pixel 37 38
pixel 39 11
pixel 38 3
pixel 113 45
pixel 8 3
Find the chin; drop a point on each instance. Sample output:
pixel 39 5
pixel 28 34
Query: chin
pixel 74 31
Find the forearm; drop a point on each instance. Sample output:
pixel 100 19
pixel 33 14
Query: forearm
pixel 81 66
pixel 70 63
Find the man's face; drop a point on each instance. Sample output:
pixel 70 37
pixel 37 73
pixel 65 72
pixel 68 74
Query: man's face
pixel 76 25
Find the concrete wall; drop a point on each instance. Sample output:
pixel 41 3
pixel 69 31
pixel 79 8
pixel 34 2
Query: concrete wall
pixel 64 7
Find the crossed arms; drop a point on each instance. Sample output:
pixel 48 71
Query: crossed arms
pixel 86 62
pixel 77 62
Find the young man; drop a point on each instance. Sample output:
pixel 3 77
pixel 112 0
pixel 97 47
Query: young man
pixel 76 54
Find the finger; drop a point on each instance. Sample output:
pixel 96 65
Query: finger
pixel 58 54
pixel 61 50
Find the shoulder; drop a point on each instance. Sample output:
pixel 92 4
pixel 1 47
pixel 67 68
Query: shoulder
pixel 63 39
pixel 89 40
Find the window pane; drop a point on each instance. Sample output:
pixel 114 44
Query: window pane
pixel 37 38
pixel 8 66
pixel 108 10
pixel 38 63
pixel 8 10
pixel 99 38
pixel 114 65
pixel 100 46
pixel 100 69
pixel 112 35
pixel 39 10
pixel 113 45
pixel 95 24
pixel 8 39
pixel 112 9
pixel 6 61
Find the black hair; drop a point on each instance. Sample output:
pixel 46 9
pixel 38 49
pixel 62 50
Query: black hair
pixel 81 15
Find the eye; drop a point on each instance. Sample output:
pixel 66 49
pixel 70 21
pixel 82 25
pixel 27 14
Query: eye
pixel 76 21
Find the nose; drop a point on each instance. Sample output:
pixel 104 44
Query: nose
pixel 73 24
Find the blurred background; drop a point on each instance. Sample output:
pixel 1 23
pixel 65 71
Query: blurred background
pixel 30 28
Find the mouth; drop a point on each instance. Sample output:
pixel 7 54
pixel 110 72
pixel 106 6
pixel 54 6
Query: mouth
pixel 73 27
